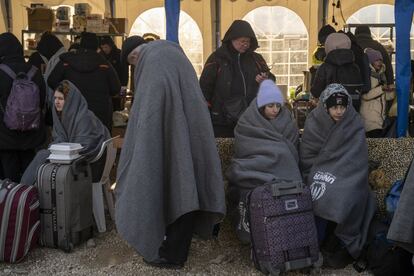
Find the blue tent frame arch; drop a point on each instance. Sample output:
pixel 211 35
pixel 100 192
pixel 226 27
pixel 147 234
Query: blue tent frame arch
pixel 403 14
pixel 172 14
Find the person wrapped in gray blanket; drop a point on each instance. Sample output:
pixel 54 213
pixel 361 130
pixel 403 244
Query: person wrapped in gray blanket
pixel 266 147
pixel 73 122
pixel 402 225
pixel 169 181
pixel 334 162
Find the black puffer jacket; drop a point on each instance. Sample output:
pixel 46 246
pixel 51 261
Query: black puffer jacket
pixel 361 59
pixel 339 67
pixel 365 40
pixel 114 58
pixel 11 54
pixel 228 78
pixel 95 78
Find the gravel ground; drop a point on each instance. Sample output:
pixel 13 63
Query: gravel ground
pixel 108 254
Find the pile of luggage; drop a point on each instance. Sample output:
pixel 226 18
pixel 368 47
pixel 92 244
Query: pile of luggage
pixel 57 211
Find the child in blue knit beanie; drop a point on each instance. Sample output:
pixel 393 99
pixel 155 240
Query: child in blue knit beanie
pixel 269 99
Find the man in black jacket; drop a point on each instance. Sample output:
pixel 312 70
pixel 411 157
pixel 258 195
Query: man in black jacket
pixel 231 77
pixel 365 40
pixel 17 148
pixel 95 78
pixel 113 55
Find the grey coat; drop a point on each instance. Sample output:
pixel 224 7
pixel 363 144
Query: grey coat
pixel 169 165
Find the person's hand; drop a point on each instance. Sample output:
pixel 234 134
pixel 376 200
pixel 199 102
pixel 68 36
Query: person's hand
pixel 123 91
pixel 386 88
pixel 261 77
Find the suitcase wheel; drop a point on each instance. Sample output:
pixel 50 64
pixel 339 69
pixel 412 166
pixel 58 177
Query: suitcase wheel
pixel 316 271
pixel 319 262
pixel 275 272
pixel 68 246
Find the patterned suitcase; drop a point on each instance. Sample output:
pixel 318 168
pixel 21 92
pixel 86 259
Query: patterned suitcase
pixel 282 227
pixel 19 216
pixel 65 192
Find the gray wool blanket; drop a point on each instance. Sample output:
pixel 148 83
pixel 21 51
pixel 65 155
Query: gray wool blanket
pixel 334 161
pixel 169 165
pixel 263 151
pixel 77 124
pixel 401 230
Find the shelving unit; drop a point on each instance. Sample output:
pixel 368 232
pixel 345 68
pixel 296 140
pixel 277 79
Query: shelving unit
pixel 70 35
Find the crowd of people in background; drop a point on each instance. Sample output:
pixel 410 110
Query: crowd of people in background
pixel 169 178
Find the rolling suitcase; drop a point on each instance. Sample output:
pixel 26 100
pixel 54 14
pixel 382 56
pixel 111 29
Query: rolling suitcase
pixel 282 227
pixel 19 218
pixel 65 192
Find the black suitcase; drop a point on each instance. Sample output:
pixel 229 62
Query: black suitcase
pixel 65 192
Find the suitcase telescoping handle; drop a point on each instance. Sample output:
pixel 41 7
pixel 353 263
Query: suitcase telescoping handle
pixel 283 188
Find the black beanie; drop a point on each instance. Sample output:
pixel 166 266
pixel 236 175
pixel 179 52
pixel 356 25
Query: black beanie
pixel 129 45
pixel 337 99
pixel 48 45
pixel 324 32
pixel 107 40
pixel 89 41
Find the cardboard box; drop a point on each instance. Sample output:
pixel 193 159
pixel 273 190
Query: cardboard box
pixel 118 25
pixel 40 19
pixel 83 9
pixel 79 23
pixel 62 13
pixel 62 26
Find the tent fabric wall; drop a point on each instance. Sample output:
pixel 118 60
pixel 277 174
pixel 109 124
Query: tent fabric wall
pixel 3 16
pixel 403 17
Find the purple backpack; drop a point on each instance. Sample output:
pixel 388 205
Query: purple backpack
pixel 22 110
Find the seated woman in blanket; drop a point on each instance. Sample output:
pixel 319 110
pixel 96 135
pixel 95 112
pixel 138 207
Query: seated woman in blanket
pixel 334 162
pixel 266 148
pixel 73 122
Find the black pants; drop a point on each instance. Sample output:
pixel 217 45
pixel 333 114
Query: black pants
pixel 13 163
pixel 176 246
pixel 375 133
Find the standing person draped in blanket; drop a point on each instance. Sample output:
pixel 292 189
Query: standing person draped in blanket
pixel 334 160
pixel 169 181
pixel 266 141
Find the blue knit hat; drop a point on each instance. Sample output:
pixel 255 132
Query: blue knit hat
pixel 269 93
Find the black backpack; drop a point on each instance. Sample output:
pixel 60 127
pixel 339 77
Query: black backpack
pixel 349 76
pixel 380 256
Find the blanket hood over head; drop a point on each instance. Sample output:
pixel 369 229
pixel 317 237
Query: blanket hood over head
pixel 334 161
pixel 169 165
pixel 78 124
